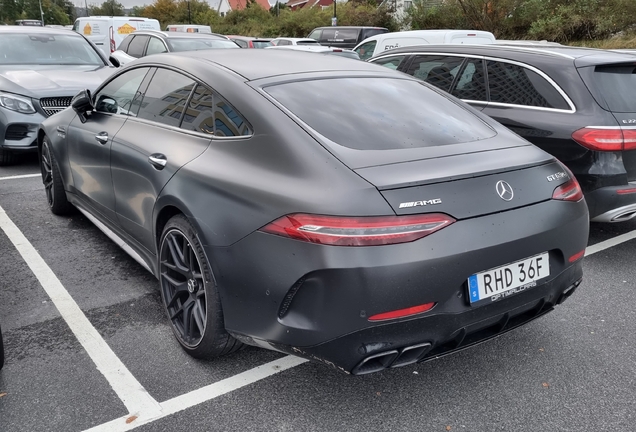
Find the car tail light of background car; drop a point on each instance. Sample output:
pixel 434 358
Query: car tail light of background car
pixel 606 138
pixel 111 36
pixel 357 231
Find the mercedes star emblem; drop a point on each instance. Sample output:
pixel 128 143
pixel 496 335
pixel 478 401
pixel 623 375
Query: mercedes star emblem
pixel 504 190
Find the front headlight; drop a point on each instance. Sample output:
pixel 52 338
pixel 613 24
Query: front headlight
pixel 16 103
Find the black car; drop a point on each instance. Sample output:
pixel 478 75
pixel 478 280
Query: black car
pixel 142 43
pixel 276 213
pixel 577 104
pixel 344 36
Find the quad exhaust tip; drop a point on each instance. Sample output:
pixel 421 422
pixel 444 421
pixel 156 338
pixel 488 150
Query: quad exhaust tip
pixel 392 359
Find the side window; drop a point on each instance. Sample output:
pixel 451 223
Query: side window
pixel 365 51
pixel 240 43
pixel 439 71
pixel 124 44
pixel 155 46
pixel 390 62
pixel 315 34
pixel 166 97
pixel 283 42
pixel 471 84
pixel 513 84
pixel 209 113
pixel 117 96
pixel 137 45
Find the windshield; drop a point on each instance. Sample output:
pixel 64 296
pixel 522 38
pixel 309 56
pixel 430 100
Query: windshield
pixel 46 49
pixel 192 44
pixel 380 113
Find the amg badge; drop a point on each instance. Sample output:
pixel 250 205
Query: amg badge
pixel 420 203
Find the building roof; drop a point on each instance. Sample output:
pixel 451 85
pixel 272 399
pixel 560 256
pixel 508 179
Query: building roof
pixel 242 4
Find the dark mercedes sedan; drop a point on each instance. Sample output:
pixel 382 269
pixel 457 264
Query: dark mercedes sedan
pixel 578 104
pixel 41 69
pixel 276 212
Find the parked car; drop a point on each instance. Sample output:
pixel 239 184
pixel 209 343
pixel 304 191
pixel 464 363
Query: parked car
pixel 289 218
pixel 251 42
pixel 41 69
pixel 344 36
pixel 189 28
pixel 319 49
pixel 143 43
pixel 287 41
pixel 578 104
pixel 107 32
pixel 375 45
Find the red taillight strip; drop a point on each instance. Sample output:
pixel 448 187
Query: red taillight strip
pixel 577 256
pixel 569 191
pixel 357 231
pixel 626 191
pixel 606 138
pixel 401 313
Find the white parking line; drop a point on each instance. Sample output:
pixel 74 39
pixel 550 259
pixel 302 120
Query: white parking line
pixel 15 177
pixel 130 391
pixel 614 241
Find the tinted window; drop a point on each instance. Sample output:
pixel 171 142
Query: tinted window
pixel 618 86
pixel 124 44
pixel 340 35
pixel 46 49
pixel 390 62
pixel 315 34
pixel 261 44
pixel 471 84
pixel 164 100
pixel 379 113
pixel 197 44
pixel 117 96
pixel 209 113
pixel 365 51
pixel 155 46
pixel 307 43
pixel 514 84
pixel 137 45
pixel 439 71
pixel 241 43
pixel 367 33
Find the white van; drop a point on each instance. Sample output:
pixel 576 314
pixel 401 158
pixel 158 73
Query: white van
pixel 189 28
pixel 376 44
pixel 108 32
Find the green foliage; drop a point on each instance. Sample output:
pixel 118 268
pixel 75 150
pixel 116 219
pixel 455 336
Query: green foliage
pixel 61 12
pixel 108 8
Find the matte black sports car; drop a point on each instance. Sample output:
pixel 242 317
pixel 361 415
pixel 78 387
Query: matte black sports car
pixel 330 209
pixel 578 104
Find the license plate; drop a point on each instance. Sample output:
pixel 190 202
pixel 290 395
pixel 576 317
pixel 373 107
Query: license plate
pixel 510 279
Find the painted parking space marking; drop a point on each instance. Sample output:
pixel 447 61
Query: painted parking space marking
pixel 15 177
pixel 614 241
pixel 203 394
pixel 133 395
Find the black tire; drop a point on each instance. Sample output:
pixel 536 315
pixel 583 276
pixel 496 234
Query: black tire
pixel 53 185
pixel 1 350
pixel 7 157
pixel 189 294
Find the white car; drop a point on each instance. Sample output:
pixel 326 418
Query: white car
pixel 286 41
pixel 319 49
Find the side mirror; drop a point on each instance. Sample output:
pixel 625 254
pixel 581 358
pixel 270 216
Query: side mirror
pixel 114 61
pixel 83 105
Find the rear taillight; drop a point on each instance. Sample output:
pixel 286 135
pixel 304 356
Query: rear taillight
pixel 251 44
pixel 357 231
pixel 414 310
pixel 606 139
pixel 568 191
pixel 111 36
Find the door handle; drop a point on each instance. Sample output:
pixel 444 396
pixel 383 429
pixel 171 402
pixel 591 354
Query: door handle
pixel 102 137
pixel 158 160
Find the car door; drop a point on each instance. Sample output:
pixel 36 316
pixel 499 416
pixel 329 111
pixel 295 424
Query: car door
pixel 528 102
pixel 149 150
pixel 89 143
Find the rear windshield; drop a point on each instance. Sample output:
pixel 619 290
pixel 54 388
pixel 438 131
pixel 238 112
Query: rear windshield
pixel 262 44
pixel 380 113
pixel 47 49
pixel 197 44
pixel 307 42
pixel 617 84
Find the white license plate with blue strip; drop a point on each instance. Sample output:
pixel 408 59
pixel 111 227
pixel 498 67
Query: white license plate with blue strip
pixel 510 279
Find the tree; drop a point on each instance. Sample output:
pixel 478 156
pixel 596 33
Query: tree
pixel 108 8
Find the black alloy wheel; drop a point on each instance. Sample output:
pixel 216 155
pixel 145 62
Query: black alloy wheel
pixel 189 295
pixel 53 186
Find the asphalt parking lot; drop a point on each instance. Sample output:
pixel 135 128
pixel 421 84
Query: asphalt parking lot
pixel 88 348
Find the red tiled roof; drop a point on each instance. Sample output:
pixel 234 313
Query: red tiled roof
pixel 240 4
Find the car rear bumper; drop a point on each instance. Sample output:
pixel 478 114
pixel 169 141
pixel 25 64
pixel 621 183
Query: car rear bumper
pixel 606 204
pixel 314 301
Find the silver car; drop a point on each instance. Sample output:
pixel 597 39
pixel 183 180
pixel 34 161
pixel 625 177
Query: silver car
pixel 41 69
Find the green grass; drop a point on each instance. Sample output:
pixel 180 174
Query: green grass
pixel 627 41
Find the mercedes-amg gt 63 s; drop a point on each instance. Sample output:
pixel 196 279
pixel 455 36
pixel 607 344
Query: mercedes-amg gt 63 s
pixel 334 210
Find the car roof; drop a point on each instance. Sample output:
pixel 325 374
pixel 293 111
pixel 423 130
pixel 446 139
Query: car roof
pixel 37 29
pixel 177 35
pixel 296 39
pixel 309 48
pixel 270 62
pixel 563 52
